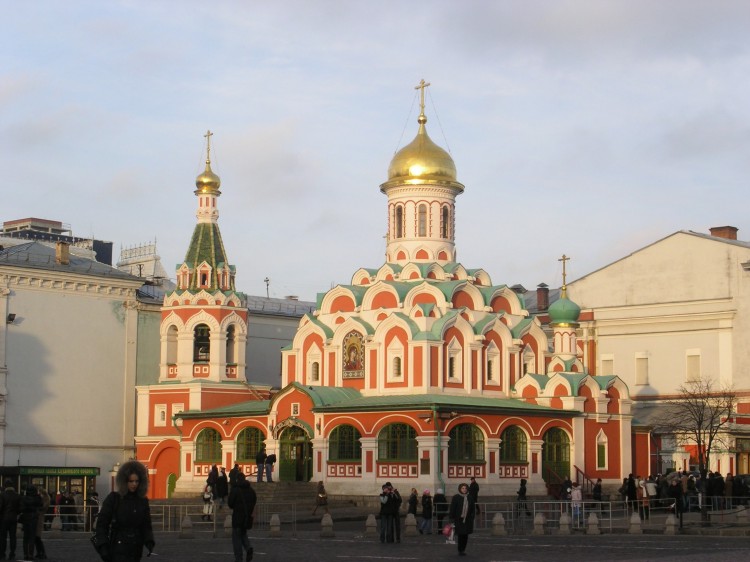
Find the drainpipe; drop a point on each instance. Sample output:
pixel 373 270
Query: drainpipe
pixel 436 421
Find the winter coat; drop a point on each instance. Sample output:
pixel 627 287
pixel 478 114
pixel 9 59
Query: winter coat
pixel 426 506
pixel 12 504
pixel 464 526
pixel 222 486
pixel 43 511
pixel 31 505
pixel 412 503
pixel 242 500
pixel 123 527
pixel 441 504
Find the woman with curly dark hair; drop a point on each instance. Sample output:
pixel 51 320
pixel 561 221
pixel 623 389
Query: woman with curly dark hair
pixel 123 527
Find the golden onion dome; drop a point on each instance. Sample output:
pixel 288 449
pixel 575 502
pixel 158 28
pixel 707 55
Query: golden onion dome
pixel 422 159
pixel 207 181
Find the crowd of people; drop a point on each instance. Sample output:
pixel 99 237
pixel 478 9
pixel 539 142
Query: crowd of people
pixel 459 512
pixel 686 491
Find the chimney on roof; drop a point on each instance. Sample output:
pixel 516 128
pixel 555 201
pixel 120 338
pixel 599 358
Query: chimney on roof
pixel 728 232
pixel 542 297
pixel 62 253
pixel 292 297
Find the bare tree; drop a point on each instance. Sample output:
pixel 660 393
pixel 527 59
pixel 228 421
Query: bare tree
pixel 698 416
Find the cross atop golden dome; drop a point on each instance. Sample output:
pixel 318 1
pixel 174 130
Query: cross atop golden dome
pixel 207 182
pixel 422 159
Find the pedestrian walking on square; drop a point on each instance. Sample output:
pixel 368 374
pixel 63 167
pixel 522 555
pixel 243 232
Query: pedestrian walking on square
pixel 11 508
pixel 441 508
pixel 321 498
pixel 462 512
pixel 425 525
pixel 242 500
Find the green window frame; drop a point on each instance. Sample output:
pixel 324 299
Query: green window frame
pixel 344 444
pixel 249 442
pixel 513 445
pixel 466 444
pixel 208 446
pixel 397 442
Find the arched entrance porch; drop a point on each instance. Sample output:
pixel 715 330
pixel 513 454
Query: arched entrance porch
pixel 295 454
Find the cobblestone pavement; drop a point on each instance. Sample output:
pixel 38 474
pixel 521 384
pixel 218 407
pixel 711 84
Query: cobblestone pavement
pixel 351 546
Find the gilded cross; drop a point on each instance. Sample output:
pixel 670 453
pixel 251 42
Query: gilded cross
pixel 421 86
pixel 563 259
pixel 208 136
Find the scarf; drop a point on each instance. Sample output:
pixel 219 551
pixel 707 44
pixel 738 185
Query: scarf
pixel 465 507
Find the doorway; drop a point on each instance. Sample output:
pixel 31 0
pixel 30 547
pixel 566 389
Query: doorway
pixel 295 455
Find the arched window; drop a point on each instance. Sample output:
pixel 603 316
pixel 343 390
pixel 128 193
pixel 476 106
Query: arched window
pixel 399 222
pixel 201 343
pixel 231 345
pixel 422 225
pixel 208 446
pixel 396 366
pixel 172 345
pixel 249 442
pixel 601 451
pixel 466 444
pixel 344 444
pixel 444 217
pixel 513 445
pixel 397 442
pixel 315 371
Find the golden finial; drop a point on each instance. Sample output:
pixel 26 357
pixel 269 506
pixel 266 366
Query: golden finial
pixel 208 136
pixel 421 86
pixel 564 259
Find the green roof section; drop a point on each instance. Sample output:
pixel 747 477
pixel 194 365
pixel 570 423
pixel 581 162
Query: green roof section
pixel 247 408
pixel 326 330
pixel 409 322
pixel 369 330
pixel 459 403
pixel 447 287
pixel 541 380
pixel 207 246
pixel 480 325
pixel 575 380
pixel 604 381
pixel 521 328
pixel 325 395
pixel 402 287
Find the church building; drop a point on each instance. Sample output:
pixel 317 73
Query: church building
pixel 421 371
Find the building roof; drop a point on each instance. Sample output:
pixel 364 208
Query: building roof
pixel 40 256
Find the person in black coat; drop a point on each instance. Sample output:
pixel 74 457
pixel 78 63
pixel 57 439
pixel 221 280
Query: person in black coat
pixel 222 486
pixel 242 500
pixel 31 505
pixel 461 513
pixel 11 508
pixel 123 527
pixel 441 508
pixel 474 492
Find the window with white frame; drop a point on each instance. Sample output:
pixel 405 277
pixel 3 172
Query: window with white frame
pixel 601 451
pixel 177 409
pixel 160 415
pixel 314 357
pixel 295 409
pixel 455 370
pixel 608 364
pixel 693 365
pixel 641 368
pixel 395 361
pixel 529 360
pixel 493 363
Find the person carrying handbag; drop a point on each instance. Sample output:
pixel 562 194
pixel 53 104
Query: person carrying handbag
pixel 242 500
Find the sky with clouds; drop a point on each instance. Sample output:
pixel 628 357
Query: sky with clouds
pixel 590 128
